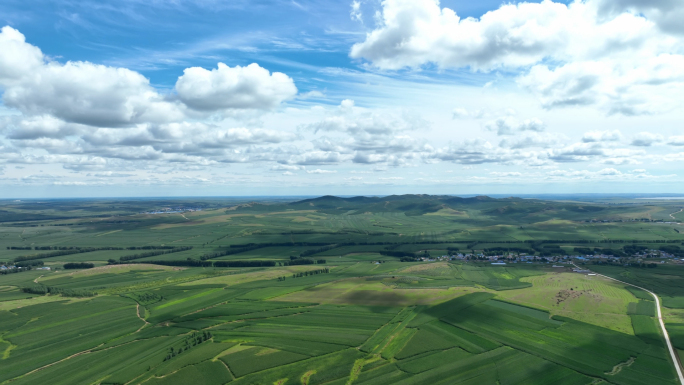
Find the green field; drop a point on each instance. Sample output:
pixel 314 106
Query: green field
pixel 353 314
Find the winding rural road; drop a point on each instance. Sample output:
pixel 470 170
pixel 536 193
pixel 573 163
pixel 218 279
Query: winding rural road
pixel 672 215
pixel 675 359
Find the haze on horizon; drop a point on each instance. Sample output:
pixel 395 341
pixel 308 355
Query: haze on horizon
pixel 284 97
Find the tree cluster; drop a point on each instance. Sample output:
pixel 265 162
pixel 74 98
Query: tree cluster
pixel 308 273
pixel 78 265
pixel 190 342
pixel 41 289
pixel 154 253
pixel 244 263
pixel 29 264
pixel 307 253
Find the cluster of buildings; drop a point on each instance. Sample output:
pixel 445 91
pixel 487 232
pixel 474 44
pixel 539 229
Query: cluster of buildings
pixel 502 259
pixel 173 210
pixel 10 267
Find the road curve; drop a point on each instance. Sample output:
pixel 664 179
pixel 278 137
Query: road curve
pixel 675 359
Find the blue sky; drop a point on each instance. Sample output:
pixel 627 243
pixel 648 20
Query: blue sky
pixel 359 97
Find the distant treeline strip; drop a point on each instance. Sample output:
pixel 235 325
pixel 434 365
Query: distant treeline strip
pixel 68 250
pixel 241 248
pixel 154 253
pixel 200 263
pixel 29 263
pixel 397 254
pixel 78 265
pixel 307 253
pixel 40 289
pixel 60 253
pixel 237 249
pixel 253 246
pixel 78 247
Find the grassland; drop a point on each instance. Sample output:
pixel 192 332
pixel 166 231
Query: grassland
pixel 355 315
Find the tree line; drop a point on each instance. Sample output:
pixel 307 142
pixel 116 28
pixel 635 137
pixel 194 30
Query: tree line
pixel 44 248
pixel 42 290
pixel 154 253
pixel 78 265
pixel 190 342
pixel 254 263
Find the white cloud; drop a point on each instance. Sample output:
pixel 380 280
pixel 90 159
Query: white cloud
pixel 615 57
pixel 602 136
pixel 43 126
pixel 462 113
pixel 76 92
pixel 676 140
pixel 510 125
pixel 667 14
pixel 110 174
pixel 646 139
pixel 356 13
pixel 473 152
pixel 506 174
pixel 16 56
pixel 533 139
pixel 286 167
pixel 319 171
pixel 250 87
pixel 361 122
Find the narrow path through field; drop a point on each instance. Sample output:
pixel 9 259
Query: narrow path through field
pixel 137 312
pixel 672 215
pixel 57 362
pixel 674 356
pixel 36 280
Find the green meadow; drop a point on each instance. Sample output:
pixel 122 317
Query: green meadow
pixel 315 292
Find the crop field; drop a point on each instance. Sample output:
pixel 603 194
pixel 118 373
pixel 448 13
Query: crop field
pixel 322 292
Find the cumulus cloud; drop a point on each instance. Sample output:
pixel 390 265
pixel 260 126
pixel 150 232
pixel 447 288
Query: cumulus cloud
pixel 473 152
pixel 646 139
pixel 676 140
pixel 16 56
pixel 319 171
pixel 360 122
pixel 578 152
pixel 311 158
pixel 101 96
pixel 667 14
pixel 602 136
pixel 415 32
pixel 43 126
pixel 533 139
pixel 250 87
pixel 462 113
pixel 76 92
pixel 370 136
pixel 507 174
pixel 615 54
pixel 510 125
pixel 88 117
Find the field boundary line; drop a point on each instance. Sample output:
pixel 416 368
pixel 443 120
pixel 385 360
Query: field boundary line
pixel 55 363
pixel 675 357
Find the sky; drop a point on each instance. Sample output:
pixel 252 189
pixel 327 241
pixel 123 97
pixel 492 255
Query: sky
pixel 282 97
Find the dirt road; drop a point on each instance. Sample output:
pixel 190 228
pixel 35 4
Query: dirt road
pixel 674 356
